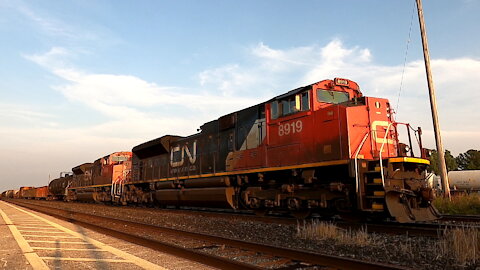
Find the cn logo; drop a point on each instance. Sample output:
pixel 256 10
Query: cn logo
pixel 383 138
pixel 177 155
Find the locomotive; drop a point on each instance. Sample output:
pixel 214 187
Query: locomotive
pixel 322 148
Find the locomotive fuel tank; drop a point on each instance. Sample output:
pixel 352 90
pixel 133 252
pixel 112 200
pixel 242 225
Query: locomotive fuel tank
pixel 215 197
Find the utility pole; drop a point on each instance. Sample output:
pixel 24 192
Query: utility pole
pixel 433 103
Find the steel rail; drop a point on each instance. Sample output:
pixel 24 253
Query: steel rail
pixel 293 254
pixel 461 218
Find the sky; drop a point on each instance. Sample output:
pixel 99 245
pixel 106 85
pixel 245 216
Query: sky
pixel 80 79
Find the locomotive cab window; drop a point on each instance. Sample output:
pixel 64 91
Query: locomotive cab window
pixel 290 105
pixel 335 97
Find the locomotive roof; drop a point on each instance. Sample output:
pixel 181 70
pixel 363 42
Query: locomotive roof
pixel 80 169
pixel 156 146
pixel 289 93
pixel 292 92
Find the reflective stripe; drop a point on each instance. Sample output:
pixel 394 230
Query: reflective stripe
pixel 409 159
pixel 269 169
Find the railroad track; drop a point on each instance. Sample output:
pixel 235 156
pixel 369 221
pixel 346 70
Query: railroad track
pixel 461 218
pixel 207 249
pixel 393 228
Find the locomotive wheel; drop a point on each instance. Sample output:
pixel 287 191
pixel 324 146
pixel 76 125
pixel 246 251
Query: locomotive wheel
pixel 301 214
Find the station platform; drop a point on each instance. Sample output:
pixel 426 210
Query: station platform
pixel 32 240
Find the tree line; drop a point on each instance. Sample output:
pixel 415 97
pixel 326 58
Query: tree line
pixel 469 160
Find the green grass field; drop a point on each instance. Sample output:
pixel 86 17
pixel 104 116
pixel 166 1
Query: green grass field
pixel 462 204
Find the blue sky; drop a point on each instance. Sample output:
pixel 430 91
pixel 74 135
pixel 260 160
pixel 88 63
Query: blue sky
pixel 81 79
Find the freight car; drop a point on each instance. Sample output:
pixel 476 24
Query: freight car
pixel 321 148
pixel 41 193
pixel 58 187
pixel 464 181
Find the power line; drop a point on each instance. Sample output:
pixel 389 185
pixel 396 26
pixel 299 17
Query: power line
pixel 406 55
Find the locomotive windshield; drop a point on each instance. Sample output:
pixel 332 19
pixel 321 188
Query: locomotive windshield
pixel 334 97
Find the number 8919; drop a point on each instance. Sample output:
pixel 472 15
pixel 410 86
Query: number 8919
pixel 287 128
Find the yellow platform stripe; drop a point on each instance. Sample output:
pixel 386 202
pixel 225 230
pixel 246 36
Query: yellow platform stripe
pixel 58 242
pixel 69 249
pixel 29 224
pixel 35 261
pixel 119 253
pixel 34 227
pixel 49 236
pixel 409 159
pixel 84 259
pixel 26 231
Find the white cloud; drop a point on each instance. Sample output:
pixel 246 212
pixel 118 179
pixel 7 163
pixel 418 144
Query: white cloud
pixel 123 96
pixel 54 58
pixel 45 23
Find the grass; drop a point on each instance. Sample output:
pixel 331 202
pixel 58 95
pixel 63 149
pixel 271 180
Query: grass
pixel 460 245
pixel 320 230
pixel 463 244
pixel 461 204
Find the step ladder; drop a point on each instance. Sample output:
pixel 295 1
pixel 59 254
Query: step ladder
pixel 374 193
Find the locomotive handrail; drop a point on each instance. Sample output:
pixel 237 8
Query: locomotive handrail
pixel 418 137
pixel 112 189
pixel 117 184
pixel 357 179
pixel 381 150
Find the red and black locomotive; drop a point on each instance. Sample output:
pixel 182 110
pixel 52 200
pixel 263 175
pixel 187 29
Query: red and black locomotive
pixel 321 148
